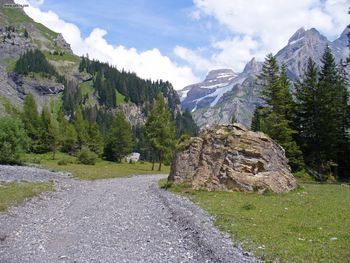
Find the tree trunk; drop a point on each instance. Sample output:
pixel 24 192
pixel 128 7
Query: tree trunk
pixel 160 161
pixel 152 164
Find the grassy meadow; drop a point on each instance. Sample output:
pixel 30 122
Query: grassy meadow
pixel 15 193
pixel 310 224
pixel 101 170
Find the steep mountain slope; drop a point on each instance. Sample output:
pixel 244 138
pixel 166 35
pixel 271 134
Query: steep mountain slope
pixel 127 92
pixel 239 95
pixel 18 34
pixel 208 92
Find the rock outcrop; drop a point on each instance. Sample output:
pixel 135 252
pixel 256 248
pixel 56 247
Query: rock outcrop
pixel 232 158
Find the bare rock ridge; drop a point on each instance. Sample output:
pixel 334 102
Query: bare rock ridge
pixel 239 96
pixel 233 158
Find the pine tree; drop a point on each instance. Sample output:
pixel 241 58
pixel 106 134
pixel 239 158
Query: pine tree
pixel 55 136
pixel 322 116
pixel 68 135
pixel 185 124
pixel 333 109
pixel 308 120
pixel 45 136
pixel 233 118
pixel 269 81
pixel 95 141
pixel 26 35
pixel 160 130
pixel 119 141
pixel 31 120
pixel 275 118
pixel 80 128
pixel 255 125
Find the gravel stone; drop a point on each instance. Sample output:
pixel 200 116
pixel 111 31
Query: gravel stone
pixel 31 174
pixel 113 220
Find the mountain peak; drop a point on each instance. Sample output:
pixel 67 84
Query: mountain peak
pixel 300 33
pixel 252 66
pixel 220 74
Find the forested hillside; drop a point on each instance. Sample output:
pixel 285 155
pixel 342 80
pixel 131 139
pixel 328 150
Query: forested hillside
pixel 79 106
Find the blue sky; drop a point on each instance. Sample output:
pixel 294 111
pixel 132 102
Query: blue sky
pixel 139 23
pixel 181 40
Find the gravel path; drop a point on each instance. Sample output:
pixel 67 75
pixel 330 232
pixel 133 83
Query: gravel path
pixel 116 220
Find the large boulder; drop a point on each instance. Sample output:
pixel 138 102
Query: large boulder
pixel 232 158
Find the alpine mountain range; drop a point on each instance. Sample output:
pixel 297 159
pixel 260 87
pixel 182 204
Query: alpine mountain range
pixel 225 94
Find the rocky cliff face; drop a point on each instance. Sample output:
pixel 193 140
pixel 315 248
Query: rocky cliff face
pixel 15 87
pixel 238 98
pixel 305 44
pixel 232 158
pixel 239 95
pixel 209 92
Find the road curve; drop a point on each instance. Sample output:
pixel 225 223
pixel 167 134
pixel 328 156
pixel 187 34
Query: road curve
pixel 114 220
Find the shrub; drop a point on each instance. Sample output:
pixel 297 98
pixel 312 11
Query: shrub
pixel 248 206
pixel 183 142
pixel 85 156
pixel 13 141
pixel 62 162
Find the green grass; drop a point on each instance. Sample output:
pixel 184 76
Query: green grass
pixel 101 170
pixel 311 224
pixel 51 35
pixel 17 17
pixel 86 88
pixel 10 64
pixel 120 98
pixel 15 193
pixel 65 57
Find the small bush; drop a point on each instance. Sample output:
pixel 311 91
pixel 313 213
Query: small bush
pixel 62 162
pixel 248 206
pixel 35 160
pixel 183 142
pixel 13 141
pixel 165 184
pixel 85 156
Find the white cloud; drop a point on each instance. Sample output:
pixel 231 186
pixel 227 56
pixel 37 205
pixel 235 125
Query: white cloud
pixel 150 64
pixel 263 26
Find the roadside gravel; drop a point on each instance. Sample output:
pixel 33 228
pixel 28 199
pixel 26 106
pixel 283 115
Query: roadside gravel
pixel 31 174
pixel 114 220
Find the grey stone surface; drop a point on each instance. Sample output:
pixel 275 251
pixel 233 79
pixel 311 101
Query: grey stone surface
pixel 31 174
pixel 115 220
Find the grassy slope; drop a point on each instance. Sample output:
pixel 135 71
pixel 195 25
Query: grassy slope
pixel 15 193
pixel 65 57
pixel 102 169
pixel 17 17
pixel 120 98
pixel 294 227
